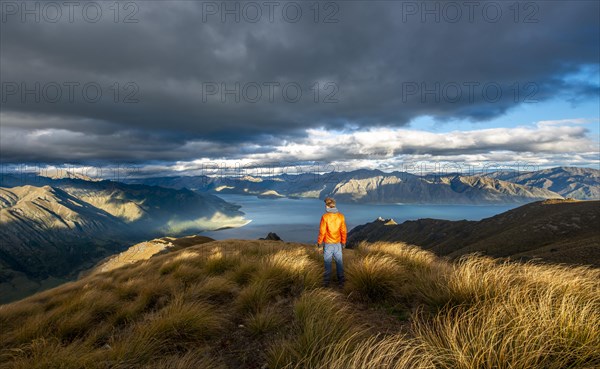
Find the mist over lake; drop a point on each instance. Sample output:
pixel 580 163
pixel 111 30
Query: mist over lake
pixel 298 219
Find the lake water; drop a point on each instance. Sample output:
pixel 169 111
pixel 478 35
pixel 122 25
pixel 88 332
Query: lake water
pixel 298 220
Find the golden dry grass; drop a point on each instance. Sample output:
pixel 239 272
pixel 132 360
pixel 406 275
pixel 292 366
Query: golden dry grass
pixel 245 304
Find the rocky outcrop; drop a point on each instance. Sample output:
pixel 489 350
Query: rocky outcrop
pixel 272 237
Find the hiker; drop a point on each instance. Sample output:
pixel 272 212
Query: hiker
pixel 332 238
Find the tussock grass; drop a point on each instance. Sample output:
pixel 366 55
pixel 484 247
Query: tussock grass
pixel 410 257
pixel 219 263
pixel 212 289
pixel 254 297
pixel 376 278
pixel 188 274
pixel 289 271
pixel 516 332
pixel 283 273
pixel 243 272
pixel 181 322
pixel 247 304
pixel 322 321
pixel 393 351
pixel 45 353
pixel 192 359
pixel 265 321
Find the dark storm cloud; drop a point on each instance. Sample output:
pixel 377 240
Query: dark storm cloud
pixel 379 58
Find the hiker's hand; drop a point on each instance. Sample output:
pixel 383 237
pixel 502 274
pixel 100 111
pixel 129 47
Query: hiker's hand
pixel 320 248
pixel 343 245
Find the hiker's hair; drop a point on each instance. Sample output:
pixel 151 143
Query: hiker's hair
pixel 330 202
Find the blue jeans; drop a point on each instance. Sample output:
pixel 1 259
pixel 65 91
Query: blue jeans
pixel 333 250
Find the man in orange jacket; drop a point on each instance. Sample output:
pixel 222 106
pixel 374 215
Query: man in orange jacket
pixel 332 238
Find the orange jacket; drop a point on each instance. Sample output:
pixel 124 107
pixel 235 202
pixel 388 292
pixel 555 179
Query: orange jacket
pixel 332 228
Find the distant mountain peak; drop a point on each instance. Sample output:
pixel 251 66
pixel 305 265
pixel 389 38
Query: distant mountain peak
pixel 65 174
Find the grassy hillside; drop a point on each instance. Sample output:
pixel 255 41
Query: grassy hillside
pixel 559 231
pixel 258 304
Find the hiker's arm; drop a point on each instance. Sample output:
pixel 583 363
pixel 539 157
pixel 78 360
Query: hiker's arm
pixel 322 230
pixel 343 232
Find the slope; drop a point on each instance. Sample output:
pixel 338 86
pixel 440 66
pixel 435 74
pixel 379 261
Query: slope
pixel 555 230
pixel 49 232
pixel 258 304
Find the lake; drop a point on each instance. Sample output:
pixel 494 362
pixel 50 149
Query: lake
pixel 298 219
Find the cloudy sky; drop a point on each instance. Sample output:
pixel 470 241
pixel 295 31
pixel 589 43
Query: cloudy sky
pixel 169 86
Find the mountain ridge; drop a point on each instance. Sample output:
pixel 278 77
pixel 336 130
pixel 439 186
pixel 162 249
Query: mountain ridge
pixel 62 226
pixel 375 186
pixel 573 182
pixel 554 230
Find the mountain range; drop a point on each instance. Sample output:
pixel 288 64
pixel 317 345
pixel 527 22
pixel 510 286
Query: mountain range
pixel 569 182
pixel 374 186
pixel 52 228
